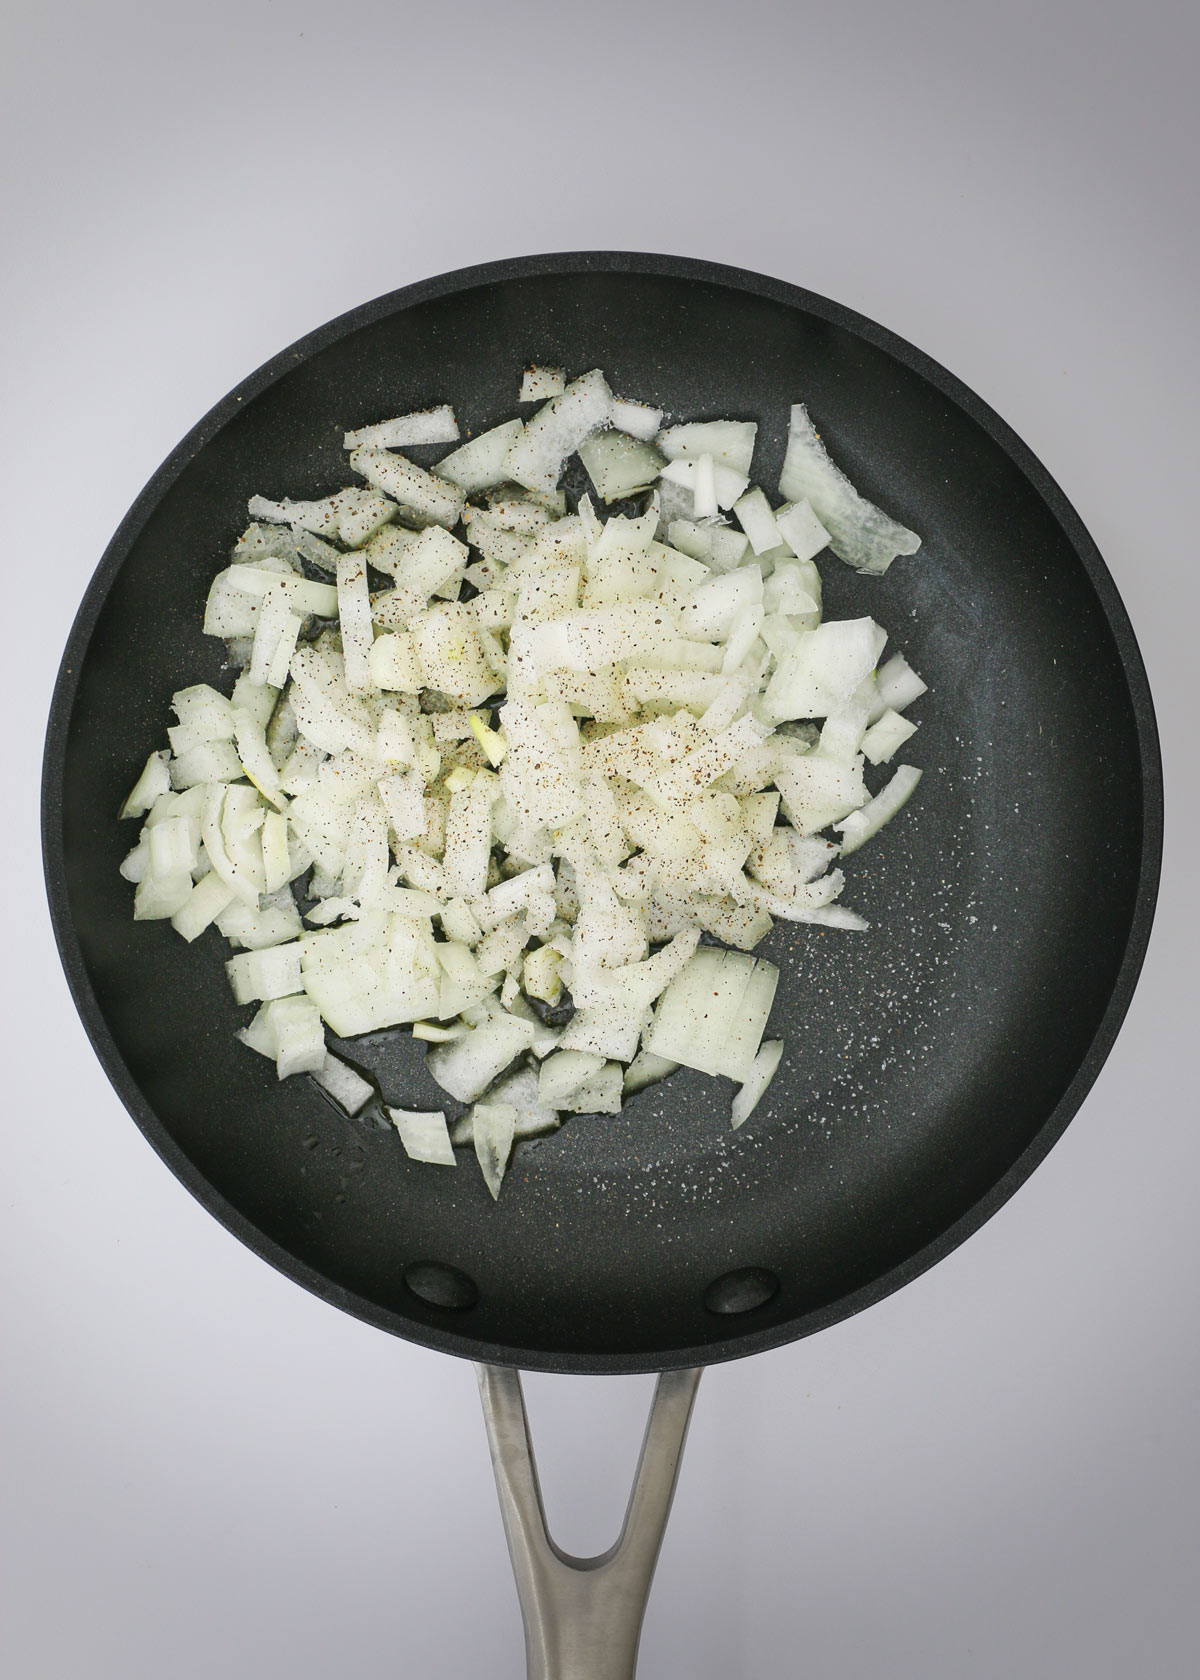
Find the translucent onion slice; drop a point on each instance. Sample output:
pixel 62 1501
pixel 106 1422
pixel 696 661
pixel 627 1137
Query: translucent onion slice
pixel 859 533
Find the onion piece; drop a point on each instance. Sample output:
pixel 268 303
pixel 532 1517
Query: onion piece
pixel 727 484
pixel 450 653
pixel 860 825
pixel 646 1069
pixel 762 1071
pixel 638 419
pixel 729 442
pixel 154 781
pixel 257 925
pixel 532 1118
pixel 428 498
pixel 540 383
pixel 267 974
pixel 352 515
pixel 712 1016
pixel 801 530
pixel 619 465
pixel 424 1134
pixel 493 1127
pixel 598 1094
pixel 392 663
pixel 480 463
pixel 277 862
pixel 886 736
pixel 354 616
pixel 467 1066
pixel 541 977
pixel 428 425
pixel 824 669
pixel 344 1084
pixel 859 533
pixel 299 1036
pixel 537 456
pixel 302 594
pixel 563 1073
pixel 160 897
pixel 897 685
pixel 704 488
pixel 207 899
pixel 234 877
pixel 815 792
pixel 753 513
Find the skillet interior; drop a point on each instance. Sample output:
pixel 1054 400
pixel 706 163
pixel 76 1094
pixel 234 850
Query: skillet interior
pixel 930 1062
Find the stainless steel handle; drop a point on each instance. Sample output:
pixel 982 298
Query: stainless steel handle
pixel 583 1616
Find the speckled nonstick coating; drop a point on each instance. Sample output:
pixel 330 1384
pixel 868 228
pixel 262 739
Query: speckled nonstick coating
pixel 931 1062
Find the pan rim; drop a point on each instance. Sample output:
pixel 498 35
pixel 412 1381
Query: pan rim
pixel 748 1340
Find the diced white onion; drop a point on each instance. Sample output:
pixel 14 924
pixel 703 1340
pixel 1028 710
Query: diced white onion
pixel 859 533
pixel 154 781
pixel 762 1071
pixel 493 1127
pixel 729 442
pixel 753 513
pixel 676 729
pixel 801 530
pixel 347 1087
pixel 432 499
pixel 425 1135
pixel 886 736
pixel 540 383
pixel 480 463
pixel 638 419
pixel 429 425
pixel 860 825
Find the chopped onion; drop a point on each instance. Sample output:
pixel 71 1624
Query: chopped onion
pixel 801 530
pixel 754 515
pixel 154 781
pixel 599 1094
pixel 536 458
pixel 859 533
pixel 539 383
pixel 429 425
pixel 493 1127
pixel 467 1067
pixel 638 419
pixel 676 729
pixel 729 442
pixel 480 463
pixel 428 498
pixel 726 484
pixel 352 515
pixel 646 1069
pixel 267 974
pixel 347 1087
pixel 354 614
pixel 299 1036
pixel 861 824
pixel 897 686
pixel 886 736
pixel 563 1073
pixel 619 465
pixel 425 1135
pixel 762 1071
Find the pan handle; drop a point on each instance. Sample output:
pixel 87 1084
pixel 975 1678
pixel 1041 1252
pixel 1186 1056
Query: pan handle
pixel 583 1616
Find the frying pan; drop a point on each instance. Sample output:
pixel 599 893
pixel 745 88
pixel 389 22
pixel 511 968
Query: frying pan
pixel 932 1061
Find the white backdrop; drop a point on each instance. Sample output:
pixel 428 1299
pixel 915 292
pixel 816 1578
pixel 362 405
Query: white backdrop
pixel 209 1473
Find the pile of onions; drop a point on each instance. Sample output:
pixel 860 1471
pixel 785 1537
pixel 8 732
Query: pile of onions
pixel 527 780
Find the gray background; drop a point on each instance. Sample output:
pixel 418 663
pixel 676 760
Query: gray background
pixel 994 1473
